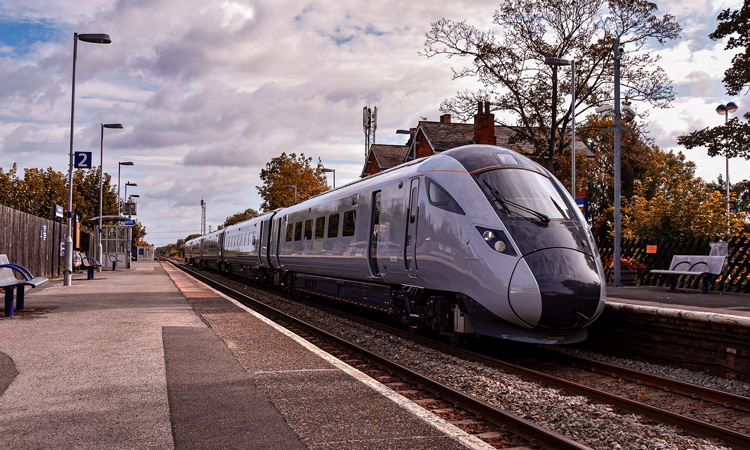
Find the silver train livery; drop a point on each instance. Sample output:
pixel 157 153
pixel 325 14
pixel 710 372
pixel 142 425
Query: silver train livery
pixel 475 240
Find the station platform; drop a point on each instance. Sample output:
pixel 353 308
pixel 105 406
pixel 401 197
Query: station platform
pixel 151 358
pixel 724 303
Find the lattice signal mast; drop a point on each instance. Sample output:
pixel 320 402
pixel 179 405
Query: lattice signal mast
pixel 203 217
pixel 369 125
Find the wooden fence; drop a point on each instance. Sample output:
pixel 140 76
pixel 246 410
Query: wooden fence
pixel 735 279
pixel 34 242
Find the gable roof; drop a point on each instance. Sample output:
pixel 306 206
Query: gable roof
pixel 445 136
pixel 386 156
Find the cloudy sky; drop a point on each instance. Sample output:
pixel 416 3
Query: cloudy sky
pixel 209 91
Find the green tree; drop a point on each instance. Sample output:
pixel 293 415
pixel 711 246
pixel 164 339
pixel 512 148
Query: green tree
pixel 735 25
pixel 509 62
pixel 291 170
pixel 247 214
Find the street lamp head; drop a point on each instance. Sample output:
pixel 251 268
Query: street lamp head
pixel 111 125
pixel 291 186
pixel 731 107
pixel 721 109
pixel 556 61
pixel 323 169
pixel 126 163
pixel 99 38
pixel 131 184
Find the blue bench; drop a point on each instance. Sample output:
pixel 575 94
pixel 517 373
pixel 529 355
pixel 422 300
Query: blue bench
pixel 90 264
pixel 706 266
pixel 8 282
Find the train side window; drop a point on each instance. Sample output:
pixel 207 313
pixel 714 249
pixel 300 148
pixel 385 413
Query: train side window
pixel 289 232
pixel 349 222
pixel 298 231
pixel 320 226
pixel 255 240
pixel 333 226
pixel 308 229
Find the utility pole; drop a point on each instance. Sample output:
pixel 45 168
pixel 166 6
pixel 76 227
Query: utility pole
pixel 618 131
pixel 203 217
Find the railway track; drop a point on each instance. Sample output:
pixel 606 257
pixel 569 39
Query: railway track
pixel 441 393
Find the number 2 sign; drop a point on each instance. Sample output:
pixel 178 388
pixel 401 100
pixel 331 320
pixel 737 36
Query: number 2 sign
pixel 82 160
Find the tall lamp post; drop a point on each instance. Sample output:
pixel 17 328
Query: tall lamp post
pixel 555 62
pixel 94 39
pixel 724 110
pixel 292 186
pixel 334 175
pixel 119 185
pixel 126 189
pixel 101 185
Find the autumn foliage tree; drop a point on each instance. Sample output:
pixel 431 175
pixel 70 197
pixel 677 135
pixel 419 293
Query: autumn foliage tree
pixel 39 190
pixel 290 170
pixel 247 214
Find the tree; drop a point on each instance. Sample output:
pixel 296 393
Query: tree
pixel 247 214
pixel 736 25
pixel 290 170
pixel 729 139
pixel 510 65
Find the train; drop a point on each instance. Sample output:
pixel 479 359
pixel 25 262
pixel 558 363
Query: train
pixel 478 240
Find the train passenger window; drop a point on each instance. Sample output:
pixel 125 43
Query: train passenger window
pixel 298 231
pixel 320 226
pixel 289 232
pixel 333 226
pixel 308 229
pixel 255 240
pixel 349 220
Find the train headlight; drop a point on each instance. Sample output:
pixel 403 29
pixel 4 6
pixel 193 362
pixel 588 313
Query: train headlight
pixel 497 240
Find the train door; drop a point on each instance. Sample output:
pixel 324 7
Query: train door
pixel 412 215
pixel 374 233
pixel 277 249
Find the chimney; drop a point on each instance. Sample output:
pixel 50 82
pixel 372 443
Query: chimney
pixel 445 118
pixel 484 125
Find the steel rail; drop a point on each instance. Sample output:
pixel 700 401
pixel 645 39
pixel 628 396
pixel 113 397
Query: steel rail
pixel 726 399
pixel 522 427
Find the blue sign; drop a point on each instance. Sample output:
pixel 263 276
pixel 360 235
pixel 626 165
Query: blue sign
pixel 58 211
pixel 583 205
pixel 44 233
pixel 83 160
pixel 129 222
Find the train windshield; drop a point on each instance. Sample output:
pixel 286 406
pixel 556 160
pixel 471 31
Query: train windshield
pixel 524 194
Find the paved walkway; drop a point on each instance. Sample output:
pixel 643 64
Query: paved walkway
pixel 125 361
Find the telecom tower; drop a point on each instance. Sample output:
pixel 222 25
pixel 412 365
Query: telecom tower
pixel 203 217
pixel 369 125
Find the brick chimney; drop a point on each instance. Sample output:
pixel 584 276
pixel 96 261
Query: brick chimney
pixel 445 118
pixel 484 125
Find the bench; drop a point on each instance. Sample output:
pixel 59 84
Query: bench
pixel 90 264
pixel 113 259
pixel 705 266
pixel 8 281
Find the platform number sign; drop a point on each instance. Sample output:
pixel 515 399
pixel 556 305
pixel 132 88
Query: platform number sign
pixel 83 160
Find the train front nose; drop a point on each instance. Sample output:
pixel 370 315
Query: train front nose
pixel 556 288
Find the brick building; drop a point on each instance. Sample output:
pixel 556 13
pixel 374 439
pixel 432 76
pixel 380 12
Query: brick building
pixel 429 138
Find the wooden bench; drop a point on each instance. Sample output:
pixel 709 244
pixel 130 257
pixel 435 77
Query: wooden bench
pixel 8 281
pixel 702 265
pixel 90 264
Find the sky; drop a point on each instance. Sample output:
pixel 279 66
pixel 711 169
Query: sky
pixel 209 91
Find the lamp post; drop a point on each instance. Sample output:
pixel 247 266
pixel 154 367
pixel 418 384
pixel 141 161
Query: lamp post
pixel 292 186
pixel 94 39
pixel 101 188
pixel 564 62
pixel 334 175
pixel 128 183
pixel 119 166
pixel 724 110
